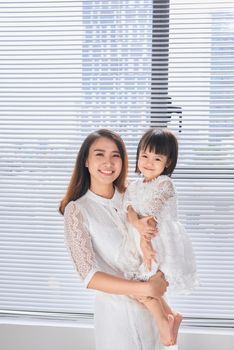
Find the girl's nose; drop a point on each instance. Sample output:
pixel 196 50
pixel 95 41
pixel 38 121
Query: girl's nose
pixel 149 161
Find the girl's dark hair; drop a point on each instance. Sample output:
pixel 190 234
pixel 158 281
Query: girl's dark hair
pixel 160 141
pixel 80 179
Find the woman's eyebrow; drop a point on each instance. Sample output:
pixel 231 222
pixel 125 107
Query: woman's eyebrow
pixel 103 150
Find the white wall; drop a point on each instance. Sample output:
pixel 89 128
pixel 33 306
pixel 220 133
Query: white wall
pixel 80 337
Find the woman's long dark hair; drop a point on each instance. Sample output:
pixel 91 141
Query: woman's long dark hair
pixel 160 141
pixel 80 179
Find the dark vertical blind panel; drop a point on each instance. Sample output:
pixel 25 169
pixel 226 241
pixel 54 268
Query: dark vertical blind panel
pixel 162 106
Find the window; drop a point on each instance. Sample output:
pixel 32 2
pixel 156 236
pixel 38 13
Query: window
pixel 69 67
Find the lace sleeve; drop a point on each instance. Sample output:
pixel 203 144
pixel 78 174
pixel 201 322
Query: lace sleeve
pixel 79 244
pixel 163 195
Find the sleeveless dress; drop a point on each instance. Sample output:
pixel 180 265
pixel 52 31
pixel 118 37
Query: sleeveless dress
pixel 174 252
pixel 94 231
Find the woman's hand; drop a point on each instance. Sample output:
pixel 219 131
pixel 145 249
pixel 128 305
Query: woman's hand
pixel 158 285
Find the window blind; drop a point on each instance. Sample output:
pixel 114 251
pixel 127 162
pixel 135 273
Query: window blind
pixel 68 68
pixel 201 82
pixel 71 67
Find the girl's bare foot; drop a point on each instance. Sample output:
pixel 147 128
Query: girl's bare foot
pixel 177 321
pixel 166 330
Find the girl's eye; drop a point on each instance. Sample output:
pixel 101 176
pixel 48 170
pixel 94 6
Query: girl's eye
pixel 144 156
pixel 99 154
pixel 116 155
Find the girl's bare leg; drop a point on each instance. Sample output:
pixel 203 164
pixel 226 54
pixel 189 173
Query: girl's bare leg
pixel 177 318
pixel 177 321
pixel 164 321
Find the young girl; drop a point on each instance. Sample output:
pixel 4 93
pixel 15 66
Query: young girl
pixel 154 195
pixel 94 223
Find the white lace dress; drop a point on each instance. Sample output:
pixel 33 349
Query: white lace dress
pixel 173 247
pixel 93 233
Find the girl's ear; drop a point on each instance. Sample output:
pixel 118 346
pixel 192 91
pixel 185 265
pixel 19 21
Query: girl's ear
pixel 86 164
pixel 168 163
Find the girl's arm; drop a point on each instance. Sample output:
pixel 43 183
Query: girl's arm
pixel 146 226
pixel 104 282
pixel 148 253
pixel 162 194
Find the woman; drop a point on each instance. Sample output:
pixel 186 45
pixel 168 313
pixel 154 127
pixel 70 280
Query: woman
pixel 94 223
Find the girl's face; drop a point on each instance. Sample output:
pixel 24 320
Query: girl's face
pixel 151 165
pixel 104 162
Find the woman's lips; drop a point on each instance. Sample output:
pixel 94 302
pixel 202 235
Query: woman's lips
pixel 106 172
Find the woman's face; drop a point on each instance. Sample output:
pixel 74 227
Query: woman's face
pixel 104 162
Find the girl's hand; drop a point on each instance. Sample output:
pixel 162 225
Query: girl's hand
pixel 146 226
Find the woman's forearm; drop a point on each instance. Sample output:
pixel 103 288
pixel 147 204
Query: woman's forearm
pixel 116 285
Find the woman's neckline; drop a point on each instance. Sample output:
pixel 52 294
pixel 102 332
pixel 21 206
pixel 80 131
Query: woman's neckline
pixel 110 195
pixel 103 200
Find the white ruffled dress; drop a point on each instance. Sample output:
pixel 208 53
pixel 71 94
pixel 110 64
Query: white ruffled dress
pixel 174 252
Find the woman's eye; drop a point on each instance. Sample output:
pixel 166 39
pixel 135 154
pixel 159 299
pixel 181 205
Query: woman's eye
pixel 99 154
pixel 116 155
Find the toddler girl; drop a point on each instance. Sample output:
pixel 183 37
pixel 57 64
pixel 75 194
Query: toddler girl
pixel 153 196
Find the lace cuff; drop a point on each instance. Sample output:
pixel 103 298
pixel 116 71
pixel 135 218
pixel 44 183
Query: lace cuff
pixel 79 244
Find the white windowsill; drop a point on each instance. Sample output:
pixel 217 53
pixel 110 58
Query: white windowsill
pixel 83 322
pixel 38 333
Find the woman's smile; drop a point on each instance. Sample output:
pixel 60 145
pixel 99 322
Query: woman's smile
pixel 106 172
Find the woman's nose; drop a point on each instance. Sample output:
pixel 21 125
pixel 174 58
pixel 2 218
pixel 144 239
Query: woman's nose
pixel 108 160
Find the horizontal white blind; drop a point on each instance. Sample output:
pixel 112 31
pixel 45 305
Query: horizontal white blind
pixel 67 68
pixel 201 81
